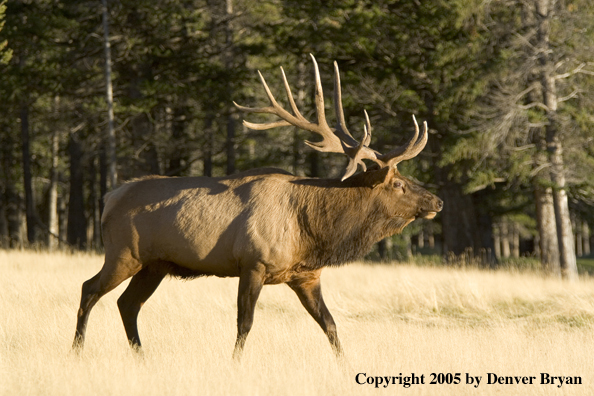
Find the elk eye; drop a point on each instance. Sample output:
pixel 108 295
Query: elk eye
pixel 397 184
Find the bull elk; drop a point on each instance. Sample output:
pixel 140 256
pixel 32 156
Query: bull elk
pixel 265 226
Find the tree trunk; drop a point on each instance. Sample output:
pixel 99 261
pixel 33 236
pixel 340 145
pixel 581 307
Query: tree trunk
pixel 94 207
pixel 142 132
pixel 11 198
pixel 585 238
pixel 102 178
pixel 548 244
pixel 562 216
pixel 27 178
pixel 505 234
pixel 313 158
pixel 515 231
pixel 536 243
pixel 62 218
pixel 77 222
pixel 497 241
pixel 297 136
pixel 431 238
pixel 230 144
pixel 547 230
pixel 209 144
pixel 408 244
pixel 52 221
pixel 110 140
pixel 421 239
pixel 178 158
pixel 384 249
pixel 13 216
pixel 577 226
pixel 458 219
pixel 544 16
pixel 4 239
pixel 229 65
pixel 484 222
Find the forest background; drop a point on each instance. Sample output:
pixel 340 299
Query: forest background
pixel 505 86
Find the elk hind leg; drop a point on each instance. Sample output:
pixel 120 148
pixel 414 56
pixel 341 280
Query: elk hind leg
pixel 111 275
pixel 141 287
pixel 309 290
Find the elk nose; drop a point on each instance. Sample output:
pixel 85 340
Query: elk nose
pixel 439 204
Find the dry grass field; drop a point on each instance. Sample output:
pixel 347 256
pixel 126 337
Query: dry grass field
pixel 392 320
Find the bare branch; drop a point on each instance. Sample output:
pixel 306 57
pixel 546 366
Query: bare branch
pixel 579 69
pixel 570 96
pixel 483 186
pixel 539 168
pixel 534 104
pixel 525 92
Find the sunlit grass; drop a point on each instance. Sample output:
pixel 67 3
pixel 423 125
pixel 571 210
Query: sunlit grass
pixel 392 319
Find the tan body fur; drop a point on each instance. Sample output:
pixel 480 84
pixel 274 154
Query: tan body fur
pixel 206 225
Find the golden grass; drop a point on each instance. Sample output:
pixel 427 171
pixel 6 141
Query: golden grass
pixel 391 320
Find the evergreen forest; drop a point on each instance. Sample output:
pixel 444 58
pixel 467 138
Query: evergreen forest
pixel 95 93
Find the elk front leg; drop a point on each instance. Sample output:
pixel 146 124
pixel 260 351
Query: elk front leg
pixel 250 284
pixel 309 291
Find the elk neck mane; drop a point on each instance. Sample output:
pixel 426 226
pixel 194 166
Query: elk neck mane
pixel 340 221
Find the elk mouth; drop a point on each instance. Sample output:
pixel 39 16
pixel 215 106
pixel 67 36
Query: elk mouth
pixel 431 208
pixel 427 214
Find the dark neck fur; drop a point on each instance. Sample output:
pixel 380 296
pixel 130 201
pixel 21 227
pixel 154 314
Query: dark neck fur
pixel 340 222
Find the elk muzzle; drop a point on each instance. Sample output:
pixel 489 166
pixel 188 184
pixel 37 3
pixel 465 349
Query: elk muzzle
pixel 431 205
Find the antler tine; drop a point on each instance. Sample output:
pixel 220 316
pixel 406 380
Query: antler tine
pixel 320 110
pixel 341 127
pixel 367 129
pixel 290 96
pixel 364 142
pixel 273 101
pixel 330 141
pixel 354 150
pixel 361 152
pixel 276 109
pixel 261 126
pixel 411 149
pixel 420 144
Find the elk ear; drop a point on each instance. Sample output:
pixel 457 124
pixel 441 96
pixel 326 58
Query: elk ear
pixel 374 178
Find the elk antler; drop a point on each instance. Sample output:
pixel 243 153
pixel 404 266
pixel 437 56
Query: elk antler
pixel 409 150
pixel 338 139
pixel 334 140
